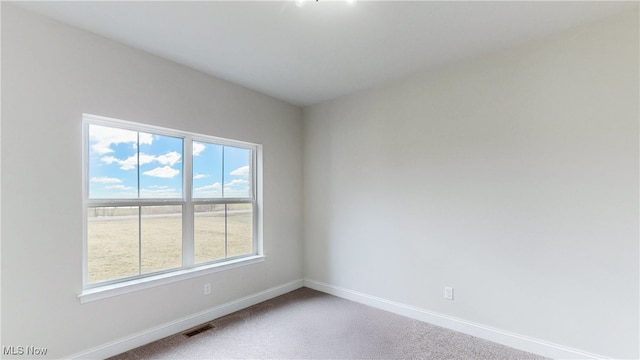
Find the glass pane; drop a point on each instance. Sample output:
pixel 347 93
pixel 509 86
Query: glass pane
pixel 207 170
pixel 237 172
pixel 209 229
pixel 239 229
pixel 160 166
pixel 113 163
pixel 161 238
pixel 112 243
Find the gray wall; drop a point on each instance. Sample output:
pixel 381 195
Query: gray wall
pixel 512 177
pixel 51 74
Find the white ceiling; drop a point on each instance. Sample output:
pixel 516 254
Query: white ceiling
pixel 305 55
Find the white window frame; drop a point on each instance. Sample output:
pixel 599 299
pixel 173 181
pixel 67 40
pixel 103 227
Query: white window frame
pixel 189 269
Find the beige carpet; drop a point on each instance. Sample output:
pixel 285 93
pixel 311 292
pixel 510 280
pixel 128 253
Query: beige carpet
pixel 307 324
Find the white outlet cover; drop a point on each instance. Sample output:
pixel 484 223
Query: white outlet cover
pixel 448 293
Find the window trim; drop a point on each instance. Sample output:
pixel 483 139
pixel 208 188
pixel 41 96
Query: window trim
pixel 125 287
pixel 188 268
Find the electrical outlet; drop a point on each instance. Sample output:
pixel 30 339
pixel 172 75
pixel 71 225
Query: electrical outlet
pixel 207 288
pixel 448 293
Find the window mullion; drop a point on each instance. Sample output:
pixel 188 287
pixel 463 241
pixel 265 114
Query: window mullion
pixel 223 179
pixel 85 197
pixel 139 207
pixel 139 240
pixel 226 245
pixel 188 256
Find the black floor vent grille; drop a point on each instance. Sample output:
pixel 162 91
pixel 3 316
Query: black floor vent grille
pixel 198 330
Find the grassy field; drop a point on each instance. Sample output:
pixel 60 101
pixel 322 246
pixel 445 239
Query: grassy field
pixel 120 246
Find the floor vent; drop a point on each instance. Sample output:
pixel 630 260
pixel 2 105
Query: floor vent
pixel 198 330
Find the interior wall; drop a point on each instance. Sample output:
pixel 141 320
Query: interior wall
pixel 51 74
pixel 512 177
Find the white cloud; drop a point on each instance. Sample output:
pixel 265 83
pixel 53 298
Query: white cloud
pixel 236 188
pixel 118 187
pixel 170 158
pixel 241 171
pixel 163 172
pixel 127 164
pixel 233 188
pixel 105 180
pixel 214 186
pixel 103 137
pixel 208 191
pixel 197 148
pixel 236 193
pixel 144 158
pixel 200 176
pixel 146 139
pixel 236 182
pixel 158 187
pixel 159 192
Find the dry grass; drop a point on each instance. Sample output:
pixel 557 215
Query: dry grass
pixel 115 249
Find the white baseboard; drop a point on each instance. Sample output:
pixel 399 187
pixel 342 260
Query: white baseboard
pixel 174 327
pixel 516 341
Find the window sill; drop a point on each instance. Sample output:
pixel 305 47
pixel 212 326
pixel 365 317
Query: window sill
pixel 107 291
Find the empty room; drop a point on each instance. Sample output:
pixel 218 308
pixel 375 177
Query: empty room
pixel 320 179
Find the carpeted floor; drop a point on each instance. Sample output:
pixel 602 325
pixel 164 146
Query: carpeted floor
pixel 307 324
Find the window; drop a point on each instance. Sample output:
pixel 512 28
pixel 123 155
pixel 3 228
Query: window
pixel 159 201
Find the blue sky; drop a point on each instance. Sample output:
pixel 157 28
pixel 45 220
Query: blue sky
pixel 214 165
pixel 123 163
